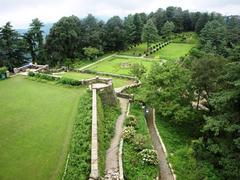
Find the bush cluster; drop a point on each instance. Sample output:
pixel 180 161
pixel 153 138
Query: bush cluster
pixel 131 121
pixel 148 156
pixel 129 133
pixel 70 81
pixel 42 76
pixel 3 70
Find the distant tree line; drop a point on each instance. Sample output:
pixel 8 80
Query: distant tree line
pixel 72 38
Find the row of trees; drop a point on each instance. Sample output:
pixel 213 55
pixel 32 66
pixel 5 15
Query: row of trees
pixel 201 94
pixel 72 38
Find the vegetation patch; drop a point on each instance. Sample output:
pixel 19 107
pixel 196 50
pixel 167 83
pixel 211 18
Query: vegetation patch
pixel 79 162
pixel 139 158
pixel 181 155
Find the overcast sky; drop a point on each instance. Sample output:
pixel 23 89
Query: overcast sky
pixel 21 12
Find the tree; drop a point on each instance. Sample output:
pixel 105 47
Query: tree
pixel 34 38
pixel 159 18
pixel 150 33
pixel 12 48
pixel 169 91
pixel 63 40
pixel 233 31
pixel 202 20
pixel 138 22
pixel 213 37
pixel 92 53
pixel 168 28
pixel 130 29
pixel 114 34
pixel 138 70
pixel 92 32
pixel 220 143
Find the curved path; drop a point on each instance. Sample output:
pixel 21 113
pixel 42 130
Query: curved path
pixel 112 170
pixel 165 171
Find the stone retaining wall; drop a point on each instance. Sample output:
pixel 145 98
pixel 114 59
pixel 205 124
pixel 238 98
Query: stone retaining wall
pixel 34 67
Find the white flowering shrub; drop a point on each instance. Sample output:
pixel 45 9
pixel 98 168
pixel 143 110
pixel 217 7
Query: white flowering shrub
pixel 131 121
pixel 148 156
pixel 129 133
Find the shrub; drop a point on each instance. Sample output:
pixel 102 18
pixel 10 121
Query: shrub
pixel 140 142
pixel 129 133
pixel 3 70
pixel 69 81
pixel 131 121
pixel 31 74
pixel 42 76
pixel 148 156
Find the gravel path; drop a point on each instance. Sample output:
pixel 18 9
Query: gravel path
pixel 165 172
pixel 112 153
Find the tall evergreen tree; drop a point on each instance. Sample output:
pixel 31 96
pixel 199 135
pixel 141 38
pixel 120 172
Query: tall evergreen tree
pixel 34 38
pixel 150 33
pixel 12 47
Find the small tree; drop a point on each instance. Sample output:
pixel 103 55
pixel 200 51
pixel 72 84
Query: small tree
pixel 91 52
pixel 138 70
pixel 149 33
pixel 168 28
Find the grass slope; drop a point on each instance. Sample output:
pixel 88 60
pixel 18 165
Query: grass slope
pixel 117 65
pixel 173 51
pixel 178 144
pixel 35 128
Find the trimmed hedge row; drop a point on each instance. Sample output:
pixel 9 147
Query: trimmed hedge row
pixel 63 80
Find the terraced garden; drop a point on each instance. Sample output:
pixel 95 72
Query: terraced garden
pixel 120 65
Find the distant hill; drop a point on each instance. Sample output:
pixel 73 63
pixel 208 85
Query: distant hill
pixel 45 29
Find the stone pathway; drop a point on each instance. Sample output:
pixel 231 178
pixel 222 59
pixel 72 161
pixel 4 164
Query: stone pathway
pixel 112 171
pixel 165 172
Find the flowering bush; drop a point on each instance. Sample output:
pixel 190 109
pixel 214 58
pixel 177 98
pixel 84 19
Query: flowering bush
pixel 140 142
pixel 131 121
pixel 148 156
pixel 129 133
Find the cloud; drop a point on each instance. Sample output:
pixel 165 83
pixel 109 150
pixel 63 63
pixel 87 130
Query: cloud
pixel 20 13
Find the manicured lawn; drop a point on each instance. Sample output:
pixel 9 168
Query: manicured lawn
pixel 117 82
pixel 119 65
pixel 35 128
pixel 173 51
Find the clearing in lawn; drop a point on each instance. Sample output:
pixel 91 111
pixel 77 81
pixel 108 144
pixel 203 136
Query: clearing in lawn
pixel 117 82
pixel 120 65
pixel 35 128
pixel 173 51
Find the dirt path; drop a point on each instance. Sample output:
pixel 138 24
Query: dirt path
pixel 112 171
pixel 165 172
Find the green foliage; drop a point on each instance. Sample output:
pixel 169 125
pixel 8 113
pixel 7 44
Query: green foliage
pixel 149 33
pixel 80 150
pixel 168 28
pixel 131 121
pixel 12 48
pixel 129 133
pixel 92 53
pixel 148 156
pixel 107 116
pixel 137 70
pixel 69 81
pixel 42 76
pixel 34 39
pixel 170 92
pixel 63 40
pixel 3 70
pixel 213 37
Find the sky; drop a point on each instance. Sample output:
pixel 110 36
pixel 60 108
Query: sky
pixel 21 12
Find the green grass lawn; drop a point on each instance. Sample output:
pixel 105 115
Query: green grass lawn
pixel 35 128
pixel 173 51
pixel 117 82
pixel 119 65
